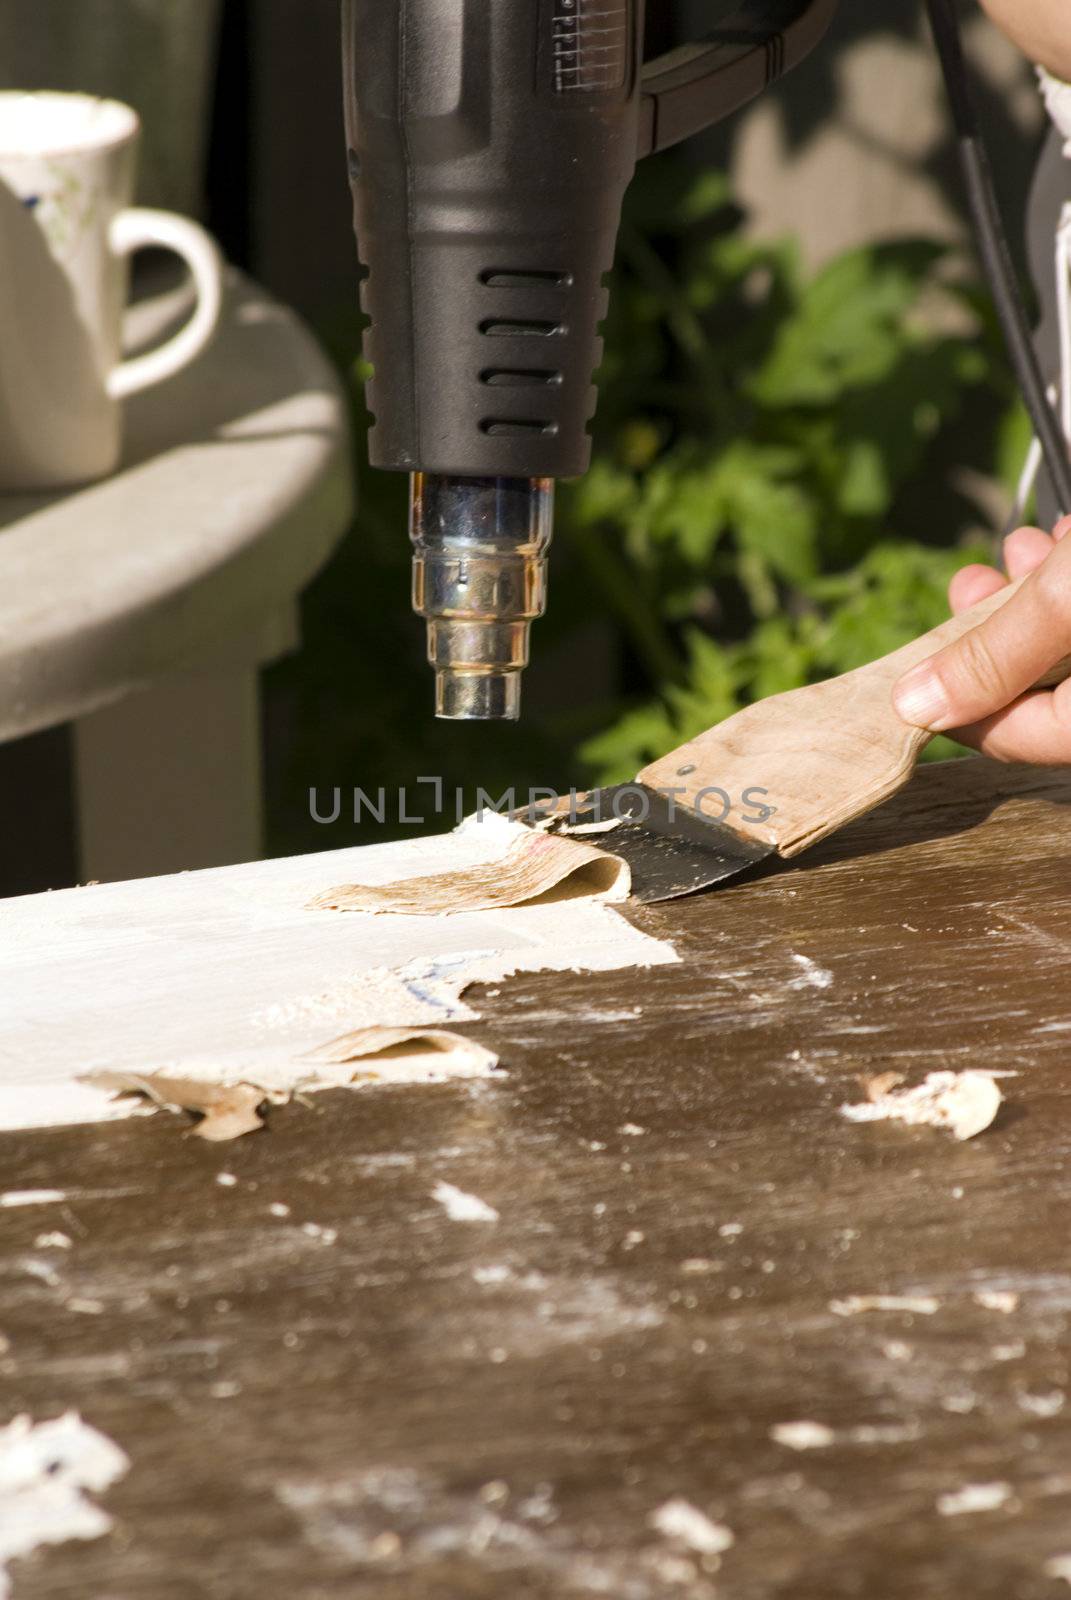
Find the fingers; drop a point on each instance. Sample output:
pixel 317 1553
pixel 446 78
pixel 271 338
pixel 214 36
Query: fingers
pixel 973 583
pixel 1000 659
pixel 1035 728
pixel 1026 549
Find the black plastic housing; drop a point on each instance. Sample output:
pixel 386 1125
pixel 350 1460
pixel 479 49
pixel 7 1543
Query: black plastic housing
pixel 490 146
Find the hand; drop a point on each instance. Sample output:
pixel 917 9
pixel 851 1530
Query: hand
pixel 1039 28
pixel 979 689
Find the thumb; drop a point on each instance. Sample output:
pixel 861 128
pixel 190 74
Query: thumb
pixel 997 661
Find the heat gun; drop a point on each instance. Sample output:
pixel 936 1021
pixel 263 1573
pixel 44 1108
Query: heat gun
pixel 490 143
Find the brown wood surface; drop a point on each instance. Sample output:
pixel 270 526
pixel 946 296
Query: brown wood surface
pixel 426 1408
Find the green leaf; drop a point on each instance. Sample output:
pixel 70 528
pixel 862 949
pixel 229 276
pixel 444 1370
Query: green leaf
pixel 849 327
pixel 604 494
pixel 638 736
pixel 863 489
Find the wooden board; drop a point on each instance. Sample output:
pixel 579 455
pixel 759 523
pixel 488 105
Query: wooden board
pixel 424 1409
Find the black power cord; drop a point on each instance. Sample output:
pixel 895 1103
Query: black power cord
pixel 992 244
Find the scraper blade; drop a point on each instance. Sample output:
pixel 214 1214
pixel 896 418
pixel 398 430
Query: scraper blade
pixel 670 851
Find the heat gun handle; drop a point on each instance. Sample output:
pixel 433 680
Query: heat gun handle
pixel 699 84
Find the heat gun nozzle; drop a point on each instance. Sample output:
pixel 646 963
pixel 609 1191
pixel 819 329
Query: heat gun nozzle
pixel 479 579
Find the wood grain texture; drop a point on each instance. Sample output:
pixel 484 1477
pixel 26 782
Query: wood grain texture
pixel 423 1409
pixel 821 755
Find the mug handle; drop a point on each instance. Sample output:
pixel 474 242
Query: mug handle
pixel 132 230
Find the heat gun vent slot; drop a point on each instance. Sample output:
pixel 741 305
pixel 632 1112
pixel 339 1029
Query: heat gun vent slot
pixel 517 430
pixel 527 280
pixel 521 330
pixel 520 378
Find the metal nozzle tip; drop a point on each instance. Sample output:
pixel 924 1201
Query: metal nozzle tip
pixel 478 696
pixel 479 580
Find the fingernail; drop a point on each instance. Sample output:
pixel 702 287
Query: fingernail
pixel 920 699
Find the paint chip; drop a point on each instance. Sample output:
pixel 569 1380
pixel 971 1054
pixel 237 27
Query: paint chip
pixel 1043 1405
pixel 812 976
pixel 963 1102
pixel 679 1519
pixel 404 1055
pixel 462 1207
pixel 497 1272
pixel 1058 1567
pixel 224 1110
pixel 525 865
pixel 802 1435
pixel 884 1433
pixel 45 1470
pixel 924 1305
pixel 974 1497
pixel 373 1054
pixel 1005 1300
pixel 32 1197
pixel 52 1241
pixel 316 1230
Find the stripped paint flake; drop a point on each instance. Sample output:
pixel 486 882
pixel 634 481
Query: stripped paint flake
pixel 462 1207
pixel 45 1471
pixel 525 865
pixel 885 1433
pixel 974 1497
pixel 496 1272
pixel 812 976
pixel 963 1102
pixel 407 1055
pixel 1005 1300
pixel 224 1110
pixel 679 1519
pixel 1043 1405
pixel 32 1197
pixel 802 1435
pixel 923 1305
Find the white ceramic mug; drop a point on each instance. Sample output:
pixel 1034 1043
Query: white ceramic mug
pixel 67 230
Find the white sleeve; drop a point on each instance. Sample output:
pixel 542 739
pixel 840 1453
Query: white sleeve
pixel 1057 96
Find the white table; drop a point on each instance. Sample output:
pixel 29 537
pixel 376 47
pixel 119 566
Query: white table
pixel 140 608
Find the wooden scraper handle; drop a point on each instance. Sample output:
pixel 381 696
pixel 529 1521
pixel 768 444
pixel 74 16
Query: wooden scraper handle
pixel 819 756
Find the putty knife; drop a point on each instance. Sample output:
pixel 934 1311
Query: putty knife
pixel 774 778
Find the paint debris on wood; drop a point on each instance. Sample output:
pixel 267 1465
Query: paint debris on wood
pixel 963 1102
